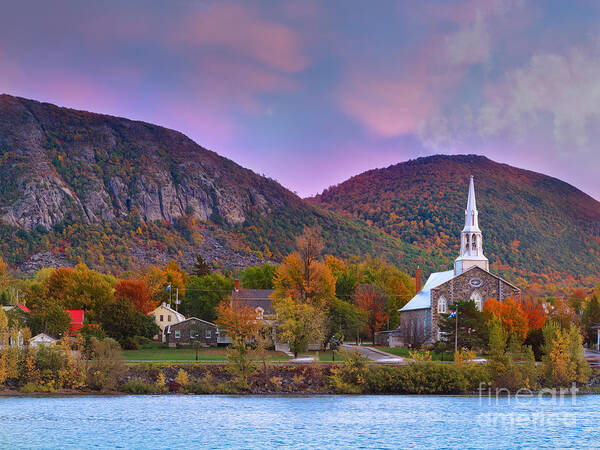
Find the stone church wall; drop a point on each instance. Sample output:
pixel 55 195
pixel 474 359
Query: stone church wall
pixel 461 287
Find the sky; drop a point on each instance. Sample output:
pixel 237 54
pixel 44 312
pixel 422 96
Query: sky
pixel 312 92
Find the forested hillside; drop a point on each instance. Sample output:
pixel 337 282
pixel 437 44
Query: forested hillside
pixel 116 193
pixel 532 223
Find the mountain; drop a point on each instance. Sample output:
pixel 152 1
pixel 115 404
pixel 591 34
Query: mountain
pixel 116 194
pixel 531 223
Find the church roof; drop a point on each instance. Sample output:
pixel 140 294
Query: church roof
pixel 423 298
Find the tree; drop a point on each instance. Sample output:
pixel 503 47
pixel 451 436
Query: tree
pixel 81 288
pixel 51 318
pixel 158 279
pixel 373 301
pixel 344 319
pixel 242 326
pixel 138 292
pixel 315 285
pixel 299 323
pixel 107 364
pixel 204 294
pixel 122 321
pixel 200 267
pixel 536 315
pixel 301 276
pixel 258 277
pixel 473 332
pixel 591 317
pixel 511 315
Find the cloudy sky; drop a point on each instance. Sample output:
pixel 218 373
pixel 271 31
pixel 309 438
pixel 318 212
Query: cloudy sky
pixel 310 92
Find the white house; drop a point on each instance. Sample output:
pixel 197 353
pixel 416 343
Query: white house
pixel 164 316
pixel 42 339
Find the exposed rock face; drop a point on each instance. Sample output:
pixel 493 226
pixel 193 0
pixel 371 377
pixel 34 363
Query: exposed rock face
pixel 67 165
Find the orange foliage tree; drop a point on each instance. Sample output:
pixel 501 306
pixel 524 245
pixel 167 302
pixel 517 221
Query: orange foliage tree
pixel 511 315
pixel 373 301
pixel 240 322
pixel 138 292
pixel 536 315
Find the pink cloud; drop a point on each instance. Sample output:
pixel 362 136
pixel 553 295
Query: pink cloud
pixel 240 31
pixel 386 107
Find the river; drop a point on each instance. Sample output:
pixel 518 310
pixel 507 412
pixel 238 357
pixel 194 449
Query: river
pixel 298 422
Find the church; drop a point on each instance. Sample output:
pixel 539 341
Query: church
pixel 470 279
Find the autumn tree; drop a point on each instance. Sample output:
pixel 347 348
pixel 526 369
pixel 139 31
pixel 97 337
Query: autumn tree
pixel 290 281
pixel 241 324
pixel 300 324
pixel 511 315
pixel 51 318
pixel 138 292
pixel 158 279
pixel 536 315
pixel 373 301
pixel 301 276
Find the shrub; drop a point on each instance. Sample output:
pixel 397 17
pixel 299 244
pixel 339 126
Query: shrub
pixel 139 386
pixel 183 378
pixel 107 366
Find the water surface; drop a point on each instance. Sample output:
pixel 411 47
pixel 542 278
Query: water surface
pixel 298 422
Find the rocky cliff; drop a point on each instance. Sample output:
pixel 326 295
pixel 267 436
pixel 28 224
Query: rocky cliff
pixel 114 193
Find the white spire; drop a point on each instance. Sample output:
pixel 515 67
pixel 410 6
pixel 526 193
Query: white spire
pixel 471 219
pixel 471 239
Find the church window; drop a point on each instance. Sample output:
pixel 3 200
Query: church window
pixel 476 298
pixel 442 305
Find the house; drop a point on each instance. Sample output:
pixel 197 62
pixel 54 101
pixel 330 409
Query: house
pixel 20 308
pixel 42 339
pixel 470 279
pixel 77 317
pixel 191 331
pixel 258 300
pixel 164 316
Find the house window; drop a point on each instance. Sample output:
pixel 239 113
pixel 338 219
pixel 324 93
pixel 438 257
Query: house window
pixel 259 313
pixel 442 305
pixel 208 334
pixel 161 318
pixel 476 298
pixel 177 334
pixel 169 318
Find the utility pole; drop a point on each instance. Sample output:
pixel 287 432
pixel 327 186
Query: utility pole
pixel 456 330
pixel 177 299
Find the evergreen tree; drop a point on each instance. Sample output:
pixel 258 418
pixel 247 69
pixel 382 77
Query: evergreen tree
pixel 200 267
pixel 591 317
pixel 472 329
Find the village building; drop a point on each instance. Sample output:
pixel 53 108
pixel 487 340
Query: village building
pixel 470 279
pixel 259 300
pixel 191 331
pixel 42 339
pixel 164 316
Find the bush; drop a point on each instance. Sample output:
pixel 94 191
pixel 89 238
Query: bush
pixel 30 388
pixel 139 386
pixel 142 342
pixel 107 366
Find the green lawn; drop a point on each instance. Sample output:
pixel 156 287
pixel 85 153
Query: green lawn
pixel 404 352
pixel 158 352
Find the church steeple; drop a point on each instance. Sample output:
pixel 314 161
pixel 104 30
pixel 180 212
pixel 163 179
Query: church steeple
pixel 471 239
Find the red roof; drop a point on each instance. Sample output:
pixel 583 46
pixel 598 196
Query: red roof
pixel 76 320
pixel 24 308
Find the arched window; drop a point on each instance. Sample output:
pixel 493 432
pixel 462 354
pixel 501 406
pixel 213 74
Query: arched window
pixel 473 242
pixel 476 298
pixel 442 305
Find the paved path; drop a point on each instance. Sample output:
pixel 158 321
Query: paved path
pixel 375 354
